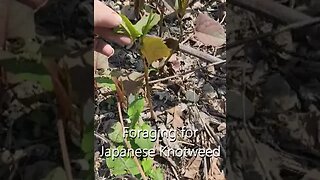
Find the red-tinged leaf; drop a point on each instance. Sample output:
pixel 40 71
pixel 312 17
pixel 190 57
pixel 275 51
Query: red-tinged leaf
pixel 175 63
pixel 209 31
pixel 120 92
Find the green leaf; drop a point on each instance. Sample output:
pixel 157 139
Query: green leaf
pixel 25 70
pixel 147 164
pixel 135 109
pixel 144 143
pixel 112 162
pixel 105 82
pixel 17 66
pixel 130 29
pixel 145 24
pixel 120 165
pixel 43 80
pixel 131 166
pixel 156 174
pixel 116 135
pixel 87 141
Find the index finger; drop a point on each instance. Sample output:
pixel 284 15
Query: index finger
pixel 105 16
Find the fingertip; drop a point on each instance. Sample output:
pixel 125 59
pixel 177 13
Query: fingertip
pixel 104 48
pixel 110 36
pixel 126 40
pixel 119 18
pixel 104 16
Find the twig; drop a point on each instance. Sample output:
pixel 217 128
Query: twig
pixel 162 10
pixel 195 52
pixel 167 5
pixel 185 73
pixel 273 33
pixel 199 54
pixel 180 20
pixel 175 173
pixel 212 134
pixel 187 39
pixel 64 111
pixel 64 149
pixel 205 169
pixel 272 9
pixel 172 165
pixel 128 144
pixel 248 133
pixel 223 18
pixel 101 137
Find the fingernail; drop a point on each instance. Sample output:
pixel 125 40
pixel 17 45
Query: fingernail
pixel 111 54
pixel 119 18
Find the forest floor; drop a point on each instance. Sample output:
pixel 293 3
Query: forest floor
pixel 189 93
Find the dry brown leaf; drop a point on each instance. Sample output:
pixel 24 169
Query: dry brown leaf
pixel 209 31
pixel 132 83
pixel 175 63
pixel 193 169
pixel 177 113
pixel 172 43
pixel 222 127
pixel 214 171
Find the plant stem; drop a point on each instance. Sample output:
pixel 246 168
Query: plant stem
pixel 64 149
pixel 148 89
pixel 161 7
pixel 180 16
pixel 128 144
pixel 181 30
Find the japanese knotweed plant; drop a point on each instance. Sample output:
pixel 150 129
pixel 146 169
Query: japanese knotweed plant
pixel 152 48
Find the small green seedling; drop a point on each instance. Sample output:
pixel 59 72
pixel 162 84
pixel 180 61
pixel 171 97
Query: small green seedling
pixel 141 28
pixel 152 48
pixel 124 165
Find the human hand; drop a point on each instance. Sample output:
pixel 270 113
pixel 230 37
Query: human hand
pixel 105 19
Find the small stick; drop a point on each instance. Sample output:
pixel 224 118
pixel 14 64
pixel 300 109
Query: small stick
pixel 175 172
pixel 97 135
pixel 296 25
pixel 205 169
pixel 272 9
pixel 64 149
pixel 185 73
pixel 195 52
pixel 167 5
pixel 199 54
